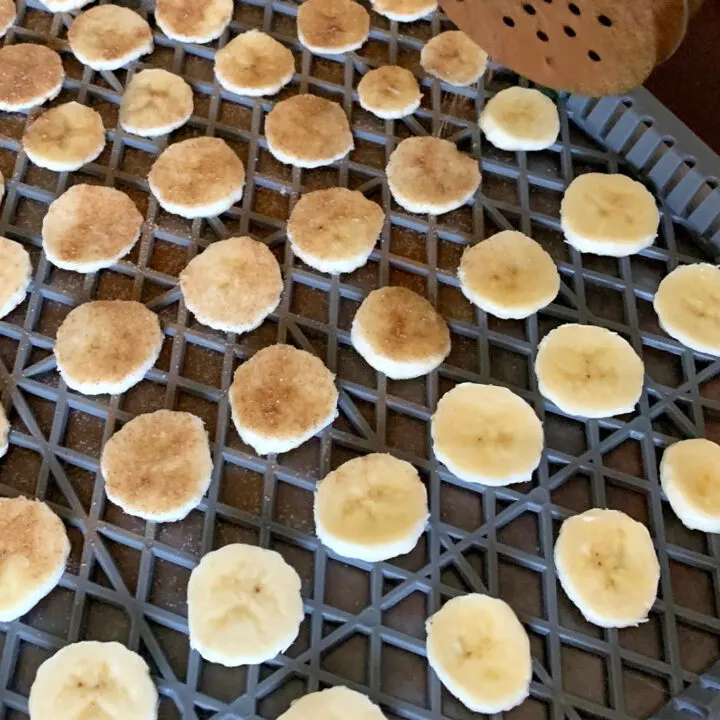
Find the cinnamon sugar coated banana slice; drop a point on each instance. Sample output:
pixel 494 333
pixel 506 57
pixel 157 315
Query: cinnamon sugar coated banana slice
pixel 108 37
pixel 158 465
pixel 404 10
pixel 90 227
pixel 8 13
pixel 254 64
pixel 281 397
pixel 430 175
pixel 155 102
pixel 4 432
pixel 332 26
pixel 29 75
pixel 195 21
pixel 453 57
pixel 233 285
pixel 65 137
pixel 399 333
pixel 200 177
pixel 334 230
pixel 389 92
pixel 15 275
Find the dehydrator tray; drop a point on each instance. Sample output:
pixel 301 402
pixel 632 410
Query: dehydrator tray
pixel 364 625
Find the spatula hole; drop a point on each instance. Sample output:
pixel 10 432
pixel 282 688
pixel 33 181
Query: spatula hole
pixel 529 9
pixel 574 9
pixel 569 31
pixel 509 21
pixel 593 56
pixel 605 20
pixel 542 36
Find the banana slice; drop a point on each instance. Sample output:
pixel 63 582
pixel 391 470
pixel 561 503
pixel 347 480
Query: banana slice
pixel 31 74
pixel 606 564
pixel 4 432
pixel 486 434
pixel 94 680
pixel 332 26
pixel 690 477
pixel 108 37
pixel 335 703
pixel 453 57
pixel 15 275
pixel 244 605
pixel 520 118
pixel 430 175
pixel 404 10
pixel 155 102
pixel 254 64
pixel 481 653
pixel 389 92
pixel 589 371
pixel 193 21
pixel 65 138
pixel 509 275
pixel 371 508
pixel 308 131
pixel 687 303
pixel 34 548
pixel 609 215
pixel 8 13
pixel 335 230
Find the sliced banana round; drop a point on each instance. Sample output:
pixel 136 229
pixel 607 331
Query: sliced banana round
pixel 389 92
pixel 453 57
pixel 233 285
pixel 404 10
pixel 58 6
pixel 34 548
pixel 193 21
pixel 687 303
pixel 281 397
pixel 486 434
pixel 481 653
pixel 107 346
pixel 90 227
pixel 4 432
pixel 65 137
pixel 155 102
pixel 8 13
pixel 200 177
pixel 31 74
pixel 509 275
pixel 158 465
pixel 93 679
pixel 254 64
pixel 244 605
pixel 400 333
pixel 335 702
pixel 334 230
pixel 606 564
pixel 371 508
pixel 520 118
pixel 609 215
pixel 589 371
pixel 430 175
pixel 332 26
pixel 15 275
pixel 108 37
pixel 308 131
pixel 690 477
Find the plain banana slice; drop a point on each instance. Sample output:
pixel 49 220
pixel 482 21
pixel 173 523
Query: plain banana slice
pixel 690 477
pixel 15 275
pixel 31 75
pixel 244 605
pixel 687 303
pixel 430 175
pixel 155 102
pixel 371 508
pixel 404 10
pixel 481 653
pixel 4 432
pixel 336 703
pixel 93 680
pixel 509 275
pixel 486 434
pixel 389 92
pixel 254 64
pixel 34 548
pixel 65 138
pixel 193 21
pixel 609 215
pixel 453 57
pixel 607 566
pixel 520 118
pixel 332 26
pixel 589 371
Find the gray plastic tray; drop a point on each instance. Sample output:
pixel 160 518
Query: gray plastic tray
pixel 126 579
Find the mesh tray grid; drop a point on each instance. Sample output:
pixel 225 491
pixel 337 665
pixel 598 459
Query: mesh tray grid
pixel 364 625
